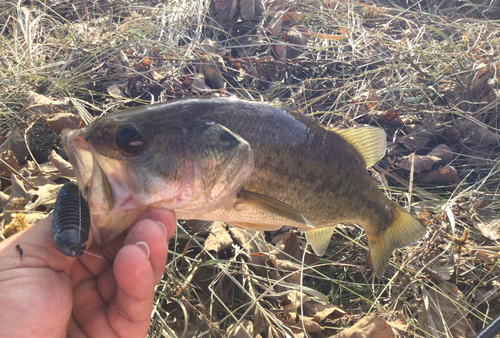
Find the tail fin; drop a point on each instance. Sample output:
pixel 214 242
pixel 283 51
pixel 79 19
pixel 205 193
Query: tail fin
pixel 403 231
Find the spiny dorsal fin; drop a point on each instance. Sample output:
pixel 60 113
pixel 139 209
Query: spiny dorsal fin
pixel 368 141
pixel 404 230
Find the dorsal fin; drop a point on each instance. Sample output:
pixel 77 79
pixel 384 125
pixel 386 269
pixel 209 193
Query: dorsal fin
pixel 369 142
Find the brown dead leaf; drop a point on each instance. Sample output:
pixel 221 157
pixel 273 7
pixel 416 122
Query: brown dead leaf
pixel 116 92
pixel 253 243
pixel 371 326
pixel 251 9
pixel 9 158
pixel 40 104
pixel 64 121
pixel 274 5
pixel 296 38
pixel 367 101
pixel 443 175
pixel 420 163
pixel 276 24
pixel 445 309
pixel 298 323
pixel 64 167
pixel 321 311
pixel 242 330
pixel 479 87
pixel 4 198
pixel 439 272
pixel 443 152
pixel 143 65
pixel 488 222
pixel 289 246
pixel 219 238
pixel 225 11
pixel 199 85
pixel 15 143
pixel 399 325
pixel 476 134
pixel 415 142
pixel 212 66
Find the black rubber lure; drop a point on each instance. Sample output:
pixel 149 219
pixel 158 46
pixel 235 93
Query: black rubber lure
pixel 71 221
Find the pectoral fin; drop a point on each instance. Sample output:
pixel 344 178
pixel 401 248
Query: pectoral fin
pixel 319 239
pixel 271 205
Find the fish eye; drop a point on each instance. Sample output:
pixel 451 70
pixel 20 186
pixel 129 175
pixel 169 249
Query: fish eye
pixel 130 139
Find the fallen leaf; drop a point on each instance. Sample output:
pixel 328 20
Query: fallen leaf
pixel 367 100
pixel 40 104
pixel 199 85
pixel 64 121
pixel 15 142
pixel 219 238
pixel 116 92
pixel 444 312
pixel 46 195
pixel 225 11
pixel 64 167
pixel 488 222
pixel 439 272
pixel 298 323
pixel 9 158
pixel 443 152
pixel 296 38
pixel 415 142
pixel 476 134
pixel 252 242
pixel 241 330
pixel 399 325
pixel 4 198
pixel 276 24
pixel 441 176
pixel 143 65
pixel 212 66
pixel 420 163
pixel 371 326
pixel 321 311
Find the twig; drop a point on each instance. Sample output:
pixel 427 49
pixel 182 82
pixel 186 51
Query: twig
pixel 14 171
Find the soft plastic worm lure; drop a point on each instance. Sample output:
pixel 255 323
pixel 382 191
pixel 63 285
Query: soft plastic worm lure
pixel 71 221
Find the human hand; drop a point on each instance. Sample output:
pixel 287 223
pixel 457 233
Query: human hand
pixel 46 294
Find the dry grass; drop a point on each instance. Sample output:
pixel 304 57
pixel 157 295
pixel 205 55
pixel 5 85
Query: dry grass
pixel 425 71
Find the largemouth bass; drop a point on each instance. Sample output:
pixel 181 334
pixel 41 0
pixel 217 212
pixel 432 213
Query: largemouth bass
pixel 249 164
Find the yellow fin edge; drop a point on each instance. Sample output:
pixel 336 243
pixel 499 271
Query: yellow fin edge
pixel 404 230
pixel 319 239
pixel 369 141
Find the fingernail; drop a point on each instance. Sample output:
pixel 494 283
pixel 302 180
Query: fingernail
pixel 164 228
pixel 144 247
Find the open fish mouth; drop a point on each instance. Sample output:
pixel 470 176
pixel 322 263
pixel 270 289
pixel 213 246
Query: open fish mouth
pixel 101 182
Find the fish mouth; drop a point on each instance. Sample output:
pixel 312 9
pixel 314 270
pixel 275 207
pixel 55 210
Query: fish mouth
pixel 103 184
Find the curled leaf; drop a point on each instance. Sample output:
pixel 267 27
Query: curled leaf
pixel 64 121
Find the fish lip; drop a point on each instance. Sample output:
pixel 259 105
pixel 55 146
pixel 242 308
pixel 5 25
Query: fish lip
pixel 76 147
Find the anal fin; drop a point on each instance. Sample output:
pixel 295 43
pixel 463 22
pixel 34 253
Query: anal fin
pixel 319 239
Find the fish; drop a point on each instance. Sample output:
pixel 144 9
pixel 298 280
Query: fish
pixel 250 164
